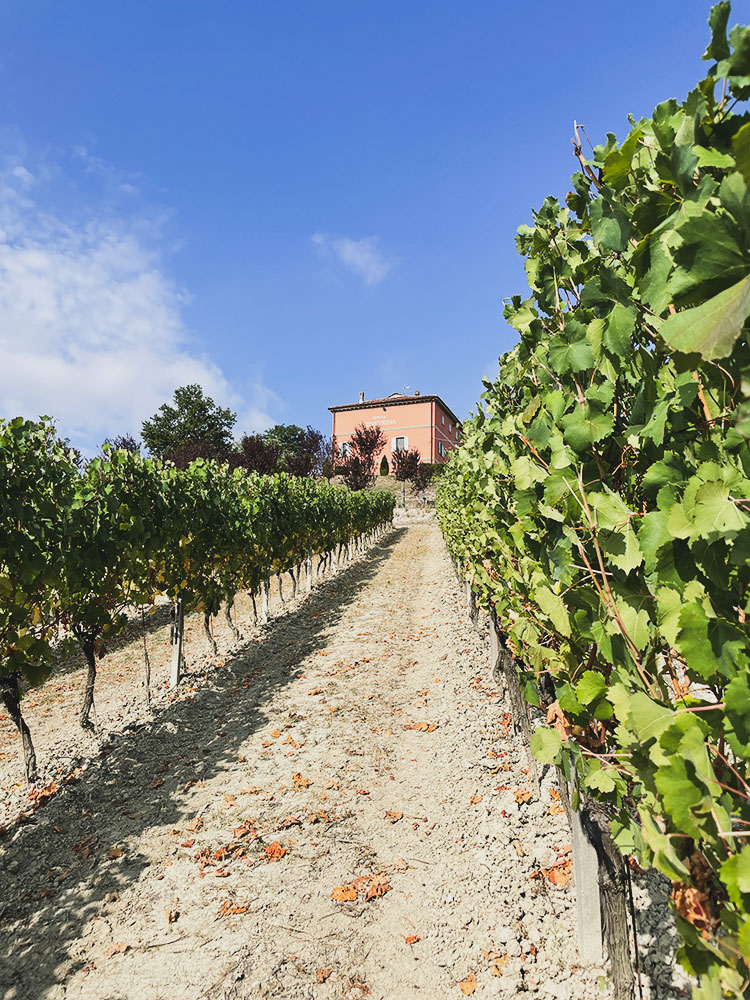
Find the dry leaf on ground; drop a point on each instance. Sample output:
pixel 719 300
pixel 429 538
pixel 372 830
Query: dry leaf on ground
pixel 475 799
pixel 323 974
pixel 300 781
pixel 274 851
pixel 116 949
pixel 228 907
pixel 498 964
pixel 378 887
pixel 422 727
pixel 468 985
pixel 412 939
pixel 392 816
pixel 245 829
pixel 344 893
pixel 557 874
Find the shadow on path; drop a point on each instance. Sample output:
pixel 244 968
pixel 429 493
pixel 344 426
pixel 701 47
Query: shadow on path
pixel 56 868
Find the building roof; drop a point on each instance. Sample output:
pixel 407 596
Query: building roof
pixel 397 399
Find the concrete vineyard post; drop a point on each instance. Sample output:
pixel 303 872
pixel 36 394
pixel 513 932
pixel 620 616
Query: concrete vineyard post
pixel 178 628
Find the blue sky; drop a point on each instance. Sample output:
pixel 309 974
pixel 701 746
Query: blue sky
pixel 290 202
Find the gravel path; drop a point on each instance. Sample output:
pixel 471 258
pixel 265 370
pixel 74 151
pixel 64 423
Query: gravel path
pixel 339 811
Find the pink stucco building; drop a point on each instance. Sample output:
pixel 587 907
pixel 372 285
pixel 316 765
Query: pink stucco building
pixel 415 421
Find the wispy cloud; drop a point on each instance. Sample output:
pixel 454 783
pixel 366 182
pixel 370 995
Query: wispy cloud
pixel 363 257
pixel 91 324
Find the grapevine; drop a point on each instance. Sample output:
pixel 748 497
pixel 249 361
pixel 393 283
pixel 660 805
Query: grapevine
pixel 600 502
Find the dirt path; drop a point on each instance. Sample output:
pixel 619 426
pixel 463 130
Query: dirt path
pixel 357 751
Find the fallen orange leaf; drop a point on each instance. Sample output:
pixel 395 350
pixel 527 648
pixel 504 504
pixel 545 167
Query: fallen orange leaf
pixel 299 781
pixel 244 829
pixel 274 851
pixel 393 817
pixel 344 893
pixel 557 874
pixel 412 939
pixel 227 908
pixel 323 974
pixel 422 727
pixel 468 985
pixel 498 964
pixel 522 795
pixel 475 799
pixel 379 887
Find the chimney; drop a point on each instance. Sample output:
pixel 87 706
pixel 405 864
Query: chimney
pixel 361 397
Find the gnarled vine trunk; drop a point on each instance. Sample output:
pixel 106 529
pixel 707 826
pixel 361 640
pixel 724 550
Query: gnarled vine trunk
pixel 209 633
pixel 230 621
pixel 11 698
pixel 89 651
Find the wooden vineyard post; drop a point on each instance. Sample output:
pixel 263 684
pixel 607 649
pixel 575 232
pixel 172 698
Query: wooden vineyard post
pixel 471 601
pixel 586 881
pixel 601 891
pixel 309 570
pixel 588 901
pixel 613 896
pixel 177 632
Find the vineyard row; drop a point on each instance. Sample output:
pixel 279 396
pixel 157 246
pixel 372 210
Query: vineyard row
pixel 600 503
pixel 80 550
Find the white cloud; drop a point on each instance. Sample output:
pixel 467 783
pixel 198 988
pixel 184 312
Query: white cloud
pixel 91 325
pixel 363 257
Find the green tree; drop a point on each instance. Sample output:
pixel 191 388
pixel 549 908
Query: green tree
pixel 288 438
pixel 301 451
pixel 194 419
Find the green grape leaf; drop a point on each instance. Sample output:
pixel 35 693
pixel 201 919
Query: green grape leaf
pixel 711 328
pixel 546 744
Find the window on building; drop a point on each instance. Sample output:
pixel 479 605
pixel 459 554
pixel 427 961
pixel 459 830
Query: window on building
pixel 442 417
pixel 441 448
pixel 400 444
pixel 346 449
pixel 450 427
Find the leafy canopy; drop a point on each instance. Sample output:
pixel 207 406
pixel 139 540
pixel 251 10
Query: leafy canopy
pixel 194 419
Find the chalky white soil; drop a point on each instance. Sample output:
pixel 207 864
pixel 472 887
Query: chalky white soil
pixel 196 854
